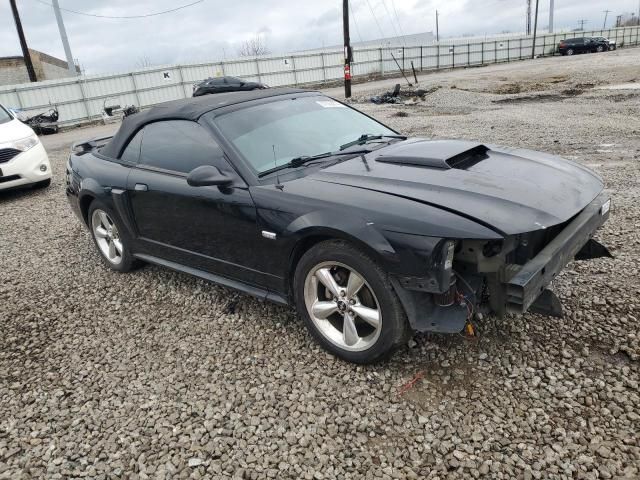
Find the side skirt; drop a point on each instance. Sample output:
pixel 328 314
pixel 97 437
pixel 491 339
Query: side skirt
pixel 226 282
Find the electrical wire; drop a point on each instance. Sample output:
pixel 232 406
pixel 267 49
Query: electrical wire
pixel 376 20
pixel 384 4
pixel 393 4
pixel 123 16
pixel 354 21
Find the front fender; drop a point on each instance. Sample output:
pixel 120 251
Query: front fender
pixel 347 227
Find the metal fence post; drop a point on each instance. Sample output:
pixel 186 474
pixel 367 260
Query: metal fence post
pixel 438 56
pixel 495 51
pixel 520 57
pixel 135 89
pixel 381 63
pixel 295 74
pixel 508 50
pixel 420 57
pixel 84 98
pixel 258 70
pixel 324 72
pixel 403 59
pixel 468 54
pixel 222 68
pixel 453 56
pixel 481 53
pixel 20 105
pixel 181 78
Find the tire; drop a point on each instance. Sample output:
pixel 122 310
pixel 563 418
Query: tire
pixel 42 184
pixel 102 220
pixel 599 49
pixel 569 51
pixel 377 324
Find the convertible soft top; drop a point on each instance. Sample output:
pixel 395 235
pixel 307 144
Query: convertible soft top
pixel 185 109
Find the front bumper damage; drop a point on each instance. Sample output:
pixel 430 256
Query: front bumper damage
pixel 488 280
pixel 528 283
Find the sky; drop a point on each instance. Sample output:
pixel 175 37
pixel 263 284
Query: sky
pixel 215 29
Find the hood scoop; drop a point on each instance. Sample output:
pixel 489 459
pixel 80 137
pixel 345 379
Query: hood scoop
pixel 441 154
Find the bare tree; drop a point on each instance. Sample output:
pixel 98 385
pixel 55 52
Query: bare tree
pixel 144 61
pixel 254 47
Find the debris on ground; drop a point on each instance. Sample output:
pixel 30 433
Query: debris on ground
pixel 409 96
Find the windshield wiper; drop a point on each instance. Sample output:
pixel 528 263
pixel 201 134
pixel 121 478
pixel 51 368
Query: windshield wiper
pixel 362 139
pixel 299 161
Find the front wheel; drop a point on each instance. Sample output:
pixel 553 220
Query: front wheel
pixel 600 48
pixel 348 303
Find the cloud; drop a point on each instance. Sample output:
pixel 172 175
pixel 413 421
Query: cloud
pixel 214 28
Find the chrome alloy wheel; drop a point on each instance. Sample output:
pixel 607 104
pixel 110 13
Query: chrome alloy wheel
pixel 107 236
pixel 342 306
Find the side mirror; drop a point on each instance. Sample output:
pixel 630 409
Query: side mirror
pixel 208 175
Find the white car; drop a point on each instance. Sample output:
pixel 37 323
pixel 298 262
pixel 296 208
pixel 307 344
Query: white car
pixel 23 159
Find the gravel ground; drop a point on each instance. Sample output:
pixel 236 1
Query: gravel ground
pixel 158 375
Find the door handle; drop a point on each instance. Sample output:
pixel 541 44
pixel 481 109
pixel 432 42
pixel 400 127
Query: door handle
pixel 141 187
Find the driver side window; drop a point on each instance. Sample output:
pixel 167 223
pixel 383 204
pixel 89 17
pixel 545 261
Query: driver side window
pixel 179 146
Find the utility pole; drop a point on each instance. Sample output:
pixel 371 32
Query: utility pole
pixel 437 28
pixel 582 22
pixel 23 43
pixel 535 30
pixel 606 13
pixel 347 49
pixel 528 17
pixel 550 16
pixel 65 41
pixel 618 20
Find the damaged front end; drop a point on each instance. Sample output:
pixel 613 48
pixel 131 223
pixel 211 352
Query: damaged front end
pixel 510 275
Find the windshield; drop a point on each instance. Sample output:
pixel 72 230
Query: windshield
pixel 4 115
pixel 291 128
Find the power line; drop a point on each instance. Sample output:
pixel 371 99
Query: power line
pixel 123 16
pixel 376 20
pixel 384 4
pixel 393 4
pixel 582 22
pixel 354 21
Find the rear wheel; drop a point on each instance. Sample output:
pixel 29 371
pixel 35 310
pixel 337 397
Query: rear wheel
pixel 600 48
pixel 570 51
pixel 108 236
pixel 348 304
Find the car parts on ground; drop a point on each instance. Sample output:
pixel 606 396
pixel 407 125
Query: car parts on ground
pixel 409 96
pixel 44 123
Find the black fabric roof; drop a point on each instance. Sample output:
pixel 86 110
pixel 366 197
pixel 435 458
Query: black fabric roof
pixel 185 109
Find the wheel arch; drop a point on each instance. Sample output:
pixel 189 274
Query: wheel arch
pixel 85 202
pixel 311 237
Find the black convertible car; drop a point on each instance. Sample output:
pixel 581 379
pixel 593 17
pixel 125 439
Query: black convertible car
pixel 296 198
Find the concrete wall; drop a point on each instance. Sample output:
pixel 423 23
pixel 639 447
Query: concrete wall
pixel 46 67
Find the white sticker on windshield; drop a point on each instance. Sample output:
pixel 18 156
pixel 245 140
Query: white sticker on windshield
pixel 330 104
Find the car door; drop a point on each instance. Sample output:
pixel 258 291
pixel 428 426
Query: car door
pixel 209 228
pixel 581 45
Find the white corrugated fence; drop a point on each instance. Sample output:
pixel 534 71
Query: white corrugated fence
pixel 83 98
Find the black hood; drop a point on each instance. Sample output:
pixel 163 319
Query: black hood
pixel 511 190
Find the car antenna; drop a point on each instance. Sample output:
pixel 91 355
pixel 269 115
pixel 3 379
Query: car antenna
pixel 279 186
